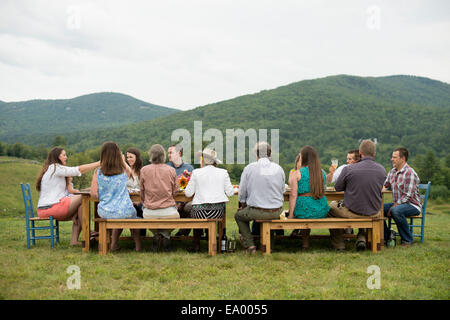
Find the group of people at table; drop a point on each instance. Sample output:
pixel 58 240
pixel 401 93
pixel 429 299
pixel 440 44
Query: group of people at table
pixel 261 191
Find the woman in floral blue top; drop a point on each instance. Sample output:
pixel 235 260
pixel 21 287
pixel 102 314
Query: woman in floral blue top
pixel 109 185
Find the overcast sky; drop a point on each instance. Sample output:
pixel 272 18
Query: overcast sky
pixel 188 53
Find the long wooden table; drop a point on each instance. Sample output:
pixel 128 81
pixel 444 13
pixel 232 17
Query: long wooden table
pixel 135 197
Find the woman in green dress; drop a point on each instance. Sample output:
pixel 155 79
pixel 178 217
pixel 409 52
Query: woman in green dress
pixel 307 197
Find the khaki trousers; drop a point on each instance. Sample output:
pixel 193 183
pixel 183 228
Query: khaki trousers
pixel 338 210
pixel 165 213
pixel 247 214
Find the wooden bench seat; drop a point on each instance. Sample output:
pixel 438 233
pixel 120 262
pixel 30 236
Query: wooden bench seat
pixel 106 225
pixel 373 225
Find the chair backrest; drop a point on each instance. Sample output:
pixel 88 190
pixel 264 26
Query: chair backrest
pixel 424 197
pixel 28 201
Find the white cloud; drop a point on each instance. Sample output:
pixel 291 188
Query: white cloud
pixel 189 53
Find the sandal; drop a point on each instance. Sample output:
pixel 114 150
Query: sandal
pixel 93 235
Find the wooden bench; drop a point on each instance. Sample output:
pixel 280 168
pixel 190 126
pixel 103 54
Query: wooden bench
pixel 373 226
pixel 106 225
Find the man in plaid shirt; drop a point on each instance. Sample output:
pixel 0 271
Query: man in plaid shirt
pixel 404 183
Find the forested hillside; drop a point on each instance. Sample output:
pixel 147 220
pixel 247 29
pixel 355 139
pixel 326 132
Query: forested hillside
pixel 31 121
pixel 332 114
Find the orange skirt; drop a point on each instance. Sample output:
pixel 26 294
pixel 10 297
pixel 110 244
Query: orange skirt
pixel 58 211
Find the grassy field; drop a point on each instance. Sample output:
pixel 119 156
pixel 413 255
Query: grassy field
pixel 418 272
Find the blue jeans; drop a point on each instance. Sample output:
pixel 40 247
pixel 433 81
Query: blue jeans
pixel 399 214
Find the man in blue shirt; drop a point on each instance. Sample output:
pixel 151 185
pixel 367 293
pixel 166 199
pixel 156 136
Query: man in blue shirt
pixel 175 152
pixel 261 194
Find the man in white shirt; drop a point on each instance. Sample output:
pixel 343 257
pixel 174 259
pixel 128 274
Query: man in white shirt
pixel 261 193
pixel 353 156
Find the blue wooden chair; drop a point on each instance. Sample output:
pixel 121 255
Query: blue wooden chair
pixel 31 219
pixel 421 217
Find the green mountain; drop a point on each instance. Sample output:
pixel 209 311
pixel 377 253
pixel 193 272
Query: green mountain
pixel 27 121
pixel 332 114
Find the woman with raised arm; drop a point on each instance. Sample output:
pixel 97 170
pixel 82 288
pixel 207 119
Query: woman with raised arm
pixel 307 197
pixel 109 185
pixel 52 185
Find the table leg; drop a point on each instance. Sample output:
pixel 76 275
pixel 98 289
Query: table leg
pixel 222 224
pixel 96 215
pixel 85 222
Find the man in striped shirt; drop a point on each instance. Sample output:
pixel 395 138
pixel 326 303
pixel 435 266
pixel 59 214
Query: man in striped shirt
pixel 404 183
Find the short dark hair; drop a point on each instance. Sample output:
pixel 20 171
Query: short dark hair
pixel 178 148
pixel 355 152
pixel 403 153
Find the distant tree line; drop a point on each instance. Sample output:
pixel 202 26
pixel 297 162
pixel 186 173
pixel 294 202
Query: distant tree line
pixel 428 166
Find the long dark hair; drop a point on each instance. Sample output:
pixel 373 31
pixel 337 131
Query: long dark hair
pixel 111 159
pixel 137 166
pixel 52 157
pixel 310 159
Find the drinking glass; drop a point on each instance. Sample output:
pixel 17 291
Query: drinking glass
pixel 334 163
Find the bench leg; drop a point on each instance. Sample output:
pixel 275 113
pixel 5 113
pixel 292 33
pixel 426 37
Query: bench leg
pixel 102 239
pixel 212 238
pixel 381 232
pixel 265 238
pixel 85 222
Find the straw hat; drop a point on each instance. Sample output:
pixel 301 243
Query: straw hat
pixel 208 154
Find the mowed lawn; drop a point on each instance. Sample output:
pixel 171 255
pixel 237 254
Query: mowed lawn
pixel 418 272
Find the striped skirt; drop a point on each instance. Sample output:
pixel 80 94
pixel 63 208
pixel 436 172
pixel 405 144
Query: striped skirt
pixel 208 211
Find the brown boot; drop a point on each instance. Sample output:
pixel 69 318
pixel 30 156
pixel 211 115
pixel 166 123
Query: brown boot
pixel 196 241
pixel 305 238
